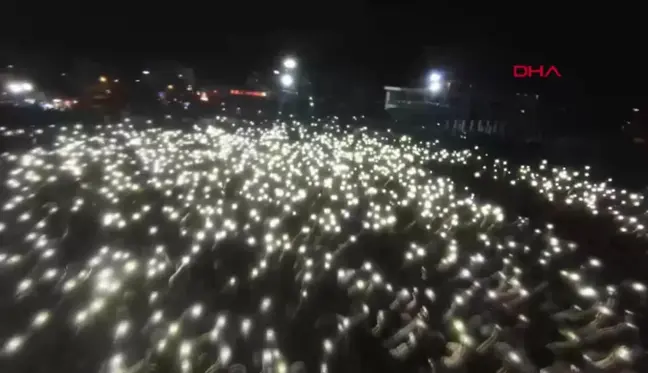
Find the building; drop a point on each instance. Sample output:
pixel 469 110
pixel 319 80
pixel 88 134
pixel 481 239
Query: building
pixel 460 109
pixel 228 98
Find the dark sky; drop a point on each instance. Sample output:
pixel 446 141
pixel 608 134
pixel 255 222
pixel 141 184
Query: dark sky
pixel 598 50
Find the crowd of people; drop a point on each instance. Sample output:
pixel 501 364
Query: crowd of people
pixel 277 245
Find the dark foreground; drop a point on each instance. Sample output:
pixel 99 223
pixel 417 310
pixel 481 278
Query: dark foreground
pixel 295 247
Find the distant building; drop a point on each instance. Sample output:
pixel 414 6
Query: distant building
pixel 636 127
pixel 226 96
pixel 462 110
pixel 165 74
pixel 107 97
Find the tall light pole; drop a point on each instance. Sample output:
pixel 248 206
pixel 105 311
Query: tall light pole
pixel 436 86
pixel 435 95
pixel 287 76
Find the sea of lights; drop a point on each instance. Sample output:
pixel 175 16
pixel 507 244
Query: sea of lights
pixel 570 187
pixel 257 246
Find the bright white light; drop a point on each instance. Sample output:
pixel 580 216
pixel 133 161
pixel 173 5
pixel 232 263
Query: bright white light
pixel 146 72
pixel 587 292
pixel 19 87
pixel 434 77
pixel 287 80
pixel 434 86
pixel 280 176
pixel 14 87
pixel 290 63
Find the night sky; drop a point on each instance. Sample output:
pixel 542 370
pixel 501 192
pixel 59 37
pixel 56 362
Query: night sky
pixel 598 51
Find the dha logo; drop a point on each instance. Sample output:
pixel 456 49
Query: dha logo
pixel 526 71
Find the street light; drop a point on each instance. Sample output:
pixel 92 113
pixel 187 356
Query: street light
pixel 146 72
pixel 434 87
pixel 288 75
pixel 290 63
pixel 435 82
pixel 434 77
pixel 287 80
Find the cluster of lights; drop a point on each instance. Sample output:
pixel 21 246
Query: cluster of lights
pixel 200 249
pixel 435 82
pixel 287 77
pixel 574 188
pixel 19 87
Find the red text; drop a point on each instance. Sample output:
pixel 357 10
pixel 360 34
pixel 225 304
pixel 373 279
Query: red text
pixel 525 71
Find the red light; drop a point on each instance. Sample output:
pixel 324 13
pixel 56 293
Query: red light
pixel 248 93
